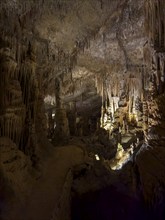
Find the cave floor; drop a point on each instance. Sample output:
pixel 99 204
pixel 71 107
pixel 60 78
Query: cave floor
pixel 45 194
pixel 105 204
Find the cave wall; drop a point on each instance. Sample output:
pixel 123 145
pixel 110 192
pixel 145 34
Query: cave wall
pixel 150 158
pixel 19 95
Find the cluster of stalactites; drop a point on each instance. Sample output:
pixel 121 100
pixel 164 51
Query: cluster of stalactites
pixel 156 78
pixel 158 72
pixel 11 125
pixel 113 89
pixel 155 26
pixel 110 86
pixel 12 111
pixel 155 23
pixel 154 58
pixel 53 60
pixel 154 75
pixel 19 88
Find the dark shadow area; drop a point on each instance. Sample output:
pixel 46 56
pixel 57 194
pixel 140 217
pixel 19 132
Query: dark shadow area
pixel 111 204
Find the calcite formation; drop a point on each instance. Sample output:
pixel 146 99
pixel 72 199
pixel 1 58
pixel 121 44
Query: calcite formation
pixel 85 73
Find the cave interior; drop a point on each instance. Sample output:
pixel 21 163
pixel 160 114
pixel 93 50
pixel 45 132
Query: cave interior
pixel 82 110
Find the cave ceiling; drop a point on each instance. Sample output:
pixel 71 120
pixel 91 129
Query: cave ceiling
pixel 78 41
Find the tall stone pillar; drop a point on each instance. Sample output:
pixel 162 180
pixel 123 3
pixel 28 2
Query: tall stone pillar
pixel 72 118
pixel 61 133
pixel 30 94
pixel 145 116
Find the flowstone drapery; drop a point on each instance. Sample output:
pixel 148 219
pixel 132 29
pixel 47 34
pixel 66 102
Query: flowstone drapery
pixel 12 108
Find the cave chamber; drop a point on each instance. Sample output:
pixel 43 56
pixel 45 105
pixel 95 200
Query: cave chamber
pixel 82 110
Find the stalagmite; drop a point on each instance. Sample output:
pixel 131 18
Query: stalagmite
pixel 61 132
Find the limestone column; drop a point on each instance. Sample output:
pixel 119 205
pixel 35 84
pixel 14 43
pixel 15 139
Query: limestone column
pixel 72 118
pixel 30 92
pixel 61 133
pixel 138 108
pixel 145 116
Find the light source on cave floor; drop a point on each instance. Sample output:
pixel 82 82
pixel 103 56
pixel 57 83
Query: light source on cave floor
pixel 53 115
pixel 97 157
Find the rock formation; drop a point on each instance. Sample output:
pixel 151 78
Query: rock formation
pixel 81 99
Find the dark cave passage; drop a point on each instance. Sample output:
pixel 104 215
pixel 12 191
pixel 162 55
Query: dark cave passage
pixel 112 204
